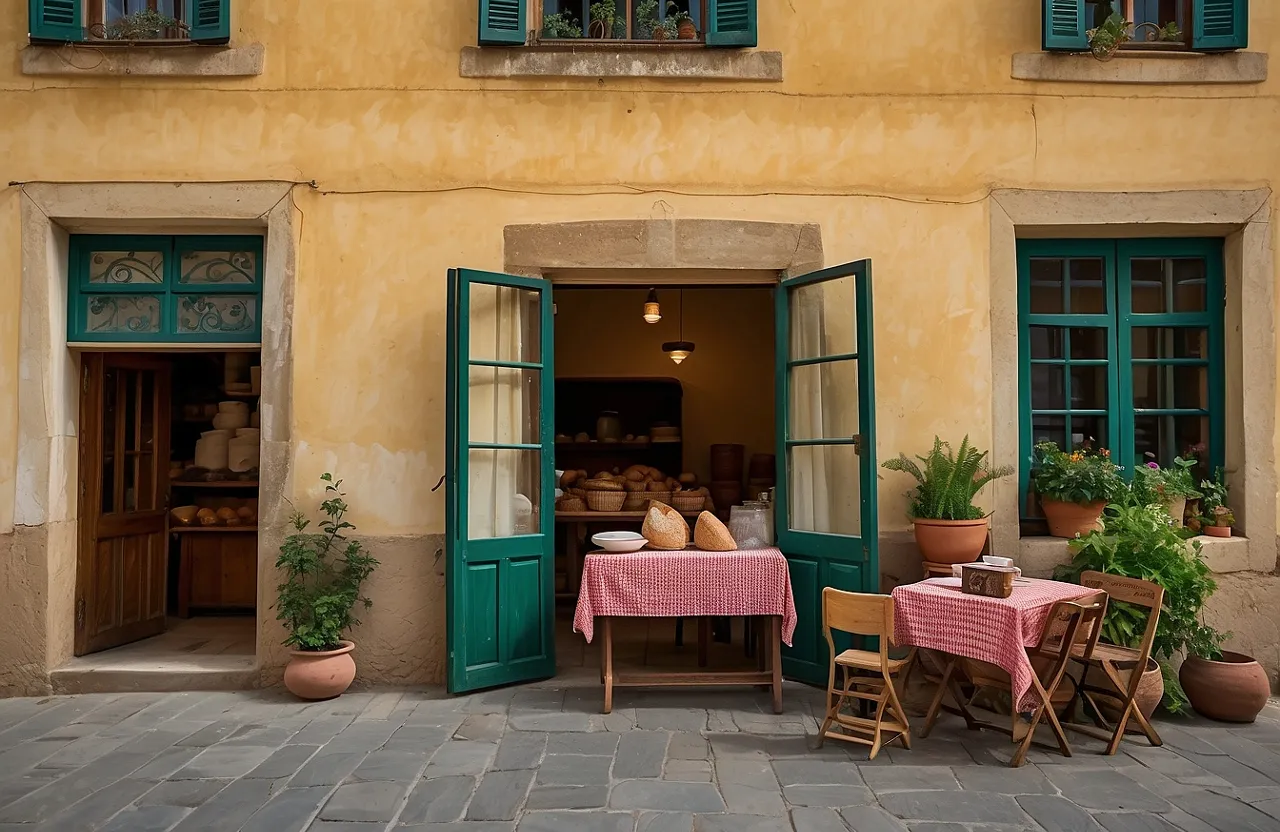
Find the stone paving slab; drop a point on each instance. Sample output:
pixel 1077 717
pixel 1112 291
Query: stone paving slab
pixel 543 759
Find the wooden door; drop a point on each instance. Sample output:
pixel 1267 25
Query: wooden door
pixel 124 487
pixel 499 483
pixel 826 496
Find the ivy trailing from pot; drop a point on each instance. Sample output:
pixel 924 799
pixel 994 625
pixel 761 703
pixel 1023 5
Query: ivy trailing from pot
pixel 949 528
pixel 323 576
pixel 1074 487
pixel 1138 541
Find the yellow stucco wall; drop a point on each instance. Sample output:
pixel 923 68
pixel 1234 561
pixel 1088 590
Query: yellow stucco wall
pixel 892 125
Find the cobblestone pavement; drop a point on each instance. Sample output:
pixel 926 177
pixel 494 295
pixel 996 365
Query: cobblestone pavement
pixel 541 759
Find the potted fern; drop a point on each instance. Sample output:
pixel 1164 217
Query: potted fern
pixel 323 573
pixel 949 528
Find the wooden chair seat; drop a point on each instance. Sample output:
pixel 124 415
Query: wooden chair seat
pixel 1108 653
pixel 866 660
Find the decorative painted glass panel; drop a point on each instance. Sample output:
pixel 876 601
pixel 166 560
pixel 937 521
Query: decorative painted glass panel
pixel 126 267
pixel 1121 348
pixel 217 314
pixel 219 268
pixel 156 289
pixel 122 314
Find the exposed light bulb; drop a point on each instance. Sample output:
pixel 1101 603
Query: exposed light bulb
pixel 679 356
pixel 678 351
pixel 652 312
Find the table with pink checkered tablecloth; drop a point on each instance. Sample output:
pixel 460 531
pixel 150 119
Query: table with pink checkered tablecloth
pixel 689 583
pixel 937 615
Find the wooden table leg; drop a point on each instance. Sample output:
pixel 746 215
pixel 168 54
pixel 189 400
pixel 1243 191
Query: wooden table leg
pixel 775 660
pixel 704 638
pixel 606 661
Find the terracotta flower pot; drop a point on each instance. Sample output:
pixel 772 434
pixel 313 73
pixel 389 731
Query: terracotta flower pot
pixel 1232 690
pixel 1177 508
pixel 950 541
pixel 685 30
pixel 1217 531
pixel 1150 692
pixel 1071 519
pixel 320 675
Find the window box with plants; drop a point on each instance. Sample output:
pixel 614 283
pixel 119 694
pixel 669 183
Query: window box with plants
pixel 130 23
pixel 1074 487
pixel 1106 27
pixel 949 528
pixel 323 575
pixel 618 23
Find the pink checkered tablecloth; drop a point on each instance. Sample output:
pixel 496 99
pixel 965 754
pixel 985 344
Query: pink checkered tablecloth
pixel 688 583
pixel 936 615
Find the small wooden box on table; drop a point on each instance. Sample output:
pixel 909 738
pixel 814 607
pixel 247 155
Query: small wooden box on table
pixel 694 584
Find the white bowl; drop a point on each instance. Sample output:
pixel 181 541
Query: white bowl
pixel 619 541
pixel 992 560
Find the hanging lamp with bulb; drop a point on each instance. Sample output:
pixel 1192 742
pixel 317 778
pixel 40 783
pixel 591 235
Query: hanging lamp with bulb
pixel 678 351
pixel 652 311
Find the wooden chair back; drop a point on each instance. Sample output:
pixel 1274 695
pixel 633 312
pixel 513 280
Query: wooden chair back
pixel 1131 591
pixel 859 613
pixel 1069 623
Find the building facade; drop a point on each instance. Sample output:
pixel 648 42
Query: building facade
pixel 1020 201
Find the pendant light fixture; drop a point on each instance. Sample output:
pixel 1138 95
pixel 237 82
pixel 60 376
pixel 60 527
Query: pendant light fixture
pixel 652 312
pixel 678 351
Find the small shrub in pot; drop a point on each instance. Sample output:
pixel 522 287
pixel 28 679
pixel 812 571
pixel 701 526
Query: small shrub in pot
pixel 1074 487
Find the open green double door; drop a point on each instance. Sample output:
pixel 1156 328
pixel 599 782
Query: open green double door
pixel 500 485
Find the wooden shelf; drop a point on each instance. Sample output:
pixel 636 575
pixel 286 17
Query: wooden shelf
pixel 612 447
pixel 218 484
pixel 240 394
pixel 208 529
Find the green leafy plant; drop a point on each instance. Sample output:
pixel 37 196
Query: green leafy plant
pixel 1170 32
pixel 560 25
pixel 147 24
pixel 948 481
pixel 1104 40
pixel 604 16
pixel 1214 510
pixel 1138 541
pixel 323 573
pixel 647 22
pixel 1153 485
pixel 1081 477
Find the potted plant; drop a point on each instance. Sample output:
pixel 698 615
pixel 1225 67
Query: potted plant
pixel 1074 487
pixel 949 528
pixel 1104 40
pixel 1168 487
pixel 603 15
pixel 681 20
pixel 1216 518
pixel 147 24
pixel 560 25
pixel 323 573
pixel 648 27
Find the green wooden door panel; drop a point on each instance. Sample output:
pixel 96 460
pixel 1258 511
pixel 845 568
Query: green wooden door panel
pixel 826 496
pixel 499 552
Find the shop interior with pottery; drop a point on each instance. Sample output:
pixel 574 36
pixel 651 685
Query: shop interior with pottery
pixel 664 398
pixel 170 459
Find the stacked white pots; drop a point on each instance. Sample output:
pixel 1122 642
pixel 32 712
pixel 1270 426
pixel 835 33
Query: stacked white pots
pixel 212 449
pixel 242 451
pixel 232 415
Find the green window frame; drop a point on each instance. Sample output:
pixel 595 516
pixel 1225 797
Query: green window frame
pixel 721 23
pixel 1160 364
pixel 148 288
pixel 1208 26
pixel 81 21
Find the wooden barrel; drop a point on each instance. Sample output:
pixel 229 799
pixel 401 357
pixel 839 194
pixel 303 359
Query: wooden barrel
pixel 726 462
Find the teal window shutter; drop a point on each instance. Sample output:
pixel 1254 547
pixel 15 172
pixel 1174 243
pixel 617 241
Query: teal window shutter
pixel 1064 26
pixel 731 23
pixel 502 22
pixel 1219 24
pixel 209 21
pixel 59 20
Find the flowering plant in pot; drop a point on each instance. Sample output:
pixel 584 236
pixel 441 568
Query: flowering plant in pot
pixel 1074 487
pixel 323 573
pixel 1216 518
pixel 1167 487
pixel 949 528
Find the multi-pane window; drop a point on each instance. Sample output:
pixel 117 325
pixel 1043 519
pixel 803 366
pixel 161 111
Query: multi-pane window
pixel 1201 25
pixel 165 289
pixel 634 23
pixel 150 22
pixel 1121 347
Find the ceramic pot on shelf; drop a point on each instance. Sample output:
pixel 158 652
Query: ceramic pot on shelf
pixel 950 541
pixel 1071 519
pixel 320 674
pixel 608 427
pixel 1217 531
pixel 1234 689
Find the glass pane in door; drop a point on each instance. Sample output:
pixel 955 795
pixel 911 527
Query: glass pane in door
pixel 822 319
pixel 824 400
pixel 504 492
pixel 825 491
pixel 503 405
pixel 506 324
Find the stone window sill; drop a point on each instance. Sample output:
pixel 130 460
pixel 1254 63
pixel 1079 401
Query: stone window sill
pixel 675 64
pixel 1038 555
pixel 1143 68
pixel 188 61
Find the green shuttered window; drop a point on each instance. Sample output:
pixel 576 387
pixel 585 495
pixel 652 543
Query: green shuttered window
pixel 1200 25
pixel 1121 347
pixel 161 289
pixel 85 21
pixel 721 23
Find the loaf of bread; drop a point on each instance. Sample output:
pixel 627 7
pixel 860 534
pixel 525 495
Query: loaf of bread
pixel 710 535
pixel 665 528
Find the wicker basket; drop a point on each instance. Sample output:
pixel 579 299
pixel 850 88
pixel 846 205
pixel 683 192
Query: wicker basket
pixel 663 497
pixel 605 500
pixel 635 501
pixel 602 485
pixel 688 500
pixel 633 486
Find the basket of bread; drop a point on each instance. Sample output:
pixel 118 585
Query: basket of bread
pixel 629 489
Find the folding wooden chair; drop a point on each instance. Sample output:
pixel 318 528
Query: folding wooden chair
pixel 868 676
pixel 1112 659
pixel 1070 624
